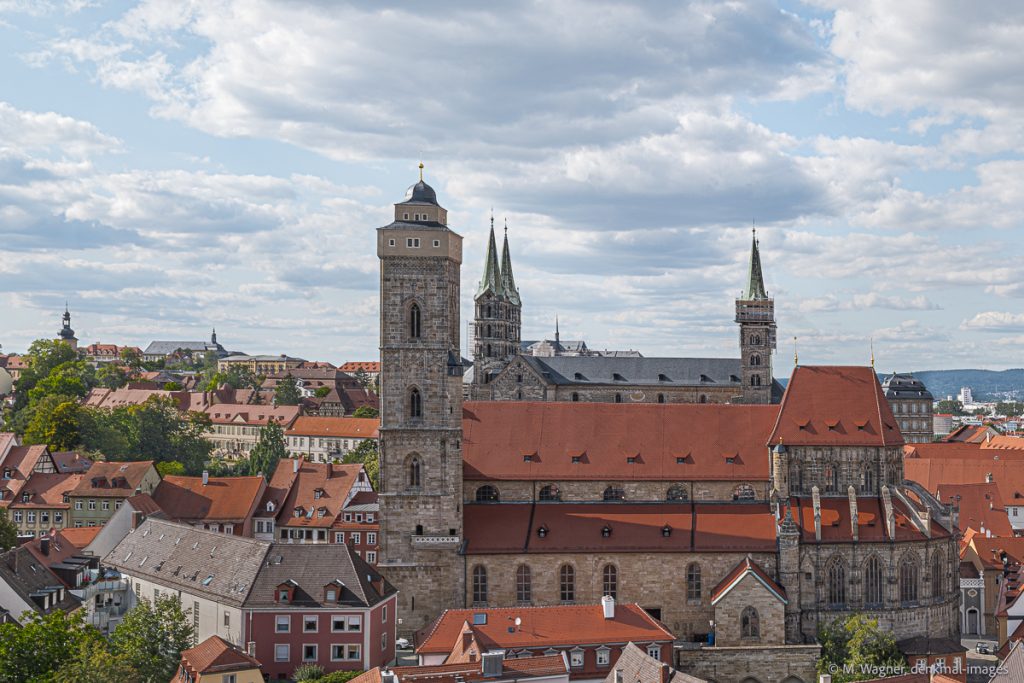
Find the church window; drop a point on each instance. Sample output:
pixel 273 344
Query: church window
pixel 488 315
pixel 488 346
pixel 524 584
pixel 750 623
pixel 415 404
pixel 873 581
pixel 550 492
pixel 755 360
pixel 413 242
pixel 869 480
pixel 693 582
pixel 567 583
pixel 479 585
pixel 755 381
pixel 937 574
pixel 487 333
pixel 415 320
pixel 391 243
pixel 575 396
pixel 437 243
pixel 755 340
pixel 836 574
pixel 519 394
pixel 614 493
pixel 908 581
pixel 676 492
pixel 487 494
pixel 661 398
pixel 743 492
pixel 610 581
pixel 618 398
pixel 414 472
pixel 702 399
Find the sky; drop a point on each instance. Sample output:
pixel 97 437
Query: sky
pixel 167 167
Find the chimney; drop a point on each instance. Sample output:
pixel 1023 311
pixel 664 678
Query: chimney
pixel 44 545
pixel 137 519
pixel 854 526
pixel 206 477
pixel 988 478
pixel 388 676
pixel 816 500
pixel 608 607
pixel 666 673
pixel 619 678
pixel 295 465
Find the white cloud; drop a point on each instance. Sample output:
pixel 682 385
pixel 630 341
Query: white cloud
pixel 995 321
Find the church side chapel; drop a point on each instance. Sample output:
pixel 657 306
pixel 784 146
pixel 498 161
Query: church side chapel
pixel 740 519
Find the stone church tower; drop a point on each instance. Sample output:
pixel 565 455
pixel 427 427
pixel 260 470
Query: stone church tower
pixel 421 407
pixel 497 320
pixel 755 313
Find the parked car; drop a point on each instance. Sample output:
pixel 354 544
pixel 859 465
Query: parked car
pixel 983 648
pixel 402 643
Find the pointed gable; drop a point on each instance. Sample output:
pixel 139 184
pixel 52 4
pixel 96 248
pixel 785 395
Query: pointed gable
pixel 747 568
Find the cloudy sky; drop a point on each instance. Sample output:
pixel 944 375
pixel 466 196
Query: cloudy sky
pixel 168 167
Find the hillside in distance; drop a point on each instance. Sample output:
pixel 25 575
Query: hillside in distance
pixel 986 384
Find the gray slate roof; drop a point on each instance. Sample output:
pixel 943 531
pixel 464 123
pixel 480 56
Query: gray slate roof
pixel 202 562
pixel 905 386
pixel 1012 667
pixel 637 665
pixel 20 570
pixel 312 567
pixel 562 370
pixel 166 348
pixel 414 225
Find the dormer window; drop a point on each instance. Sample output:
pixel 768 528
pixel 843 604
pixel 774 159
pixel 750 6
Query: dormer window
pixel 317 494
pixel 7 473
pixel 663 378
pixel 24 497
pixel 617 377
pixel 298 511
pixel 270 506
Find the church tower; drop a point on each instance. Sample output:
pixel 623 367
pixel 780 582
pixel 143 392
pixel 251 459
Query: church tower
pixel 496 320
pixel 755 313
pixel 66 334
pixel 421 406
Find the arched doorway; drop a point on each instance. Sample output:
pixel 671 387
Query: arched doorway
pixel 972 622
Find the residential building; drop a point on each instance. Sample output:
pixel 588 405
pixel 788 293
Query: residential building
pixel 259 365
pixel 326 391
pixel 590 636
pixel 358 526
pixel 165 350
pixel 28 585
pixel 328 439
pixel 491 667
pixel 370 367
pixel 634 664
pixel 44 503
pixel 98 354
pixel 64 558
pixel 942 424
pixel 6 378
pixel 215 660
pixel 16 365
pixel 980 507
pixel 984 562
pixel 911 404
pixel 305 501
pixel 133 512
pixel 965 396
pixel 287 604
pixel 236 428
pixel 1012 669
pixel 224 504
pixel 102 490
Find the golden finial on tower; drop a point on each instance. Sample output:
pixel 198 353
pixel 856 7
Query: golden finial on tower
pixel 796 358
pixel 421 171
pixel 872 352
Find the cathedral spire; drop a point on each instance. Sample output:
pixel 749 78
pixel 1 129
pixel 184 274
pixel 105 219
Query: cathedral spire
pixel 491 280
pixel 508 282
pixel 755 281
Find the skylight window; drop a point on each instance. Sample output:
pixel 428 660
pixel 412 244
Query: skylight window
pixel 208 580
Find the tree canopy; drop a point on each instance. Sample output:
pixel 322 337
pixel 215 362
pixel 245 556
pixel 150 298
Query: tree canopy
pixel 268 451
pixel 152 636
pixel 856 649
pixel 287 393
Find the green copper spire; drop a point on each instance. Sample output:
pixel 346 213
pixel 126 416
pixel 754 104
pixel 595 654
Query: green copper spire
pixel 508 282
pixel 755 285
pixel 491 280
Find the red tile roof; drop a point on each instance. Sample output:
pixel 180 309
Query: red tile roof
pixel 215 655
pixel 144 503
pixel 1004 442
pixel 665 441
pixel 1007 474
pixel 542 627
pixel 517 669
pixel 364 365
pixel 835 406
pixel 100 480
pixel 60 548
pixel 335 483
pixel 230 413
pixel 21 460
pixel 222 499
pixel 747 567
pixel 47 490
pixel 80 537
pixel 338 427
pixel 981 507
pixel 990 550
pixel 577 527
pixel 71 461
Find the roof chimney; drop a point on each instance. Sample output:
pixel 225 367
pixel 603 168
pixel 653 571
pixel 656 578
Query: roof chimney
pixel 608 607
pixel 137 519
pixel 816 501
pixel 988 478
pixel 44 544
pixel 206 477
pixel 388 676
pixel 295 465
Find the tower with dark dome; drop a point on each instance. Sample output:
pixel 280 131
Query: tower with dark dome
pixel 66 334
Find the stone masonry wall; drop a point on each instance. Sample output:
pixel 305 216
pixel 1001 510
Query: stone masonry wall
pixel 753 664
pixel 770 614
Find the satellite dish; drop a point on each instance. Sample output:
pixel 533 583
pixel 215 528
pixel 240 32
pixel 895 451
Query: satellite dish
pixel 518 621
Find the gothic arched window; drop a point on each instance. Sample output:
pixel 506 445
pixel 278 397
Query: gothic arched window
pixel 414 472
pixel 487 494
pixel 677 492
pixel 618 398
pixel 610 581
pixel 869 480
pixel 743 492
pixel 702 399
pixel 479 585
pixel 661 398
pixel 524 584
pixel 567 583
pixel 614 492
pixel 836 574
pixel 755 360
pixel 549 492
pixel 755 381
pixel 750 623
pixel 415 403
pixel 575 396
pixel 937 574
pixel 908 581
pixel 487 333
pixel 873 581
pixel 415 321
pixel 693 582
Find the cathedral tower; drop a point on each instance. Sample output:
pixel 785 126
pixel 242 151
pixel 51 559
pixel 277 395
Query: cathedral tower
pixel 496 319
pixel 421 406
pixel 755 313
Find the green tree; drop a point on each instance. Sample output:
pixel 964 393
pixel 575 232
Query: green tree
pixel 132 358
pixel 268 451
pixel 170 468
pixel 366 411
pixel 95 663
pixel 56 422
pixel 8 532
pixel 286 393
pixel 112 376
pixel 42 357
pixel 42 645
pixel 73 378
pixel 322 391
pixel 151 637
pixel 854 649
pixel 338 677
pixel 1010 408
pixel 366 453
pixel 950 407
pixel 172 386
pixel 363 378
pixel 311 673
